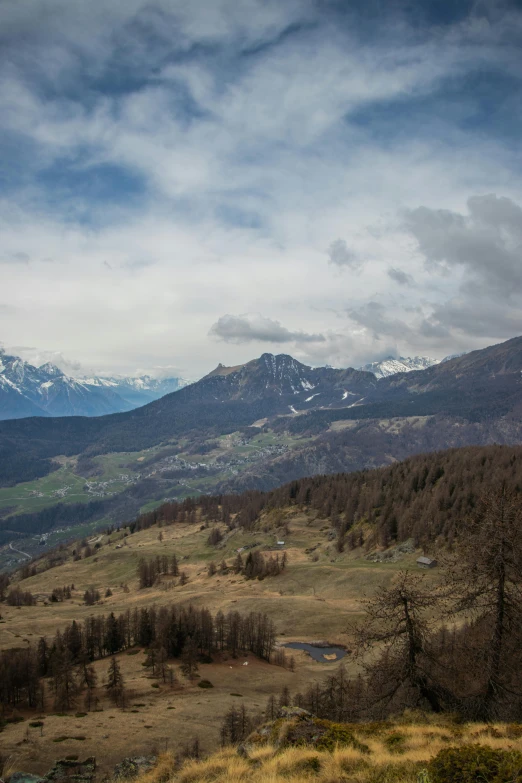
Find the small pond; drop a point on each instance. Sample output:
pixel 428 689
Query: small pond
pixel 321 653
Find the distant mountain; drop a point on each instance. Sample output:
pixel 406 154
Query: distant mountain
pixel 139 390
pixel 285 381
pixel 392 366
pixel 304 421
pixel 26 391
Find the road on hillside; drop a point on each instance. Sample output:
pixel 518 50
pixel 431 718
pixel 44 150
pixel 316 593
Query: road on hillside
pixel 14 549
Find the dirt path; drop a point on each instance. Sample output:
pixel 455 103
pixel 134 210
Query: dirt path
pixel 14 549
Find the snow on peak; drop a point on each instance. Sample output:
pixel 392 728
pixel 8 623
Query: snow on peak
pixel 392 366
pixel 51 369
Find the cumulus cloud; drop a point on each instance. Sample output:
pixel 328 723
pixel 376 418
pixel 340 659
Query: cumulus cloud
pixel 340 255
pixel 486 242
pixel 255 328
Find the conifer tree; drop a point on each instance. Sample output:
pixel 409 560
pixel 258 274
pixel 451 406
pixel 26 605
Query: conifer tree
pixel 400 620
pixel 189 658
pixel 115 684
pixel 485 578
pixel 63 682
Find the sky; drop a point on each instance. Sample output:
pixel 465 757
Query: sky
pixel 183 184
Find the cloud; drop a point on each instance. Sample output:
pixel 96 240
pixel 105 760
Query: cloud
pixel 375 317
pixel 255 328
pixel 399 276
pixel 231 142
pixel 476 317
pixel 15 258
pixel 160 371
pixel 38 357
pixel 339 254
pixel 486 243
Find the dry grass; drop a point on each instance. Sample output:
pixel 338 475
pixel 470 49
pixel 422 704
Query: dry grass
pixel 310 600
pixel 270 764
pixel 155 719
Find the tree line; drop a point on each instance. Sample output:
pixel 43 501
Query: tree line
pixel 424 497
pixel 173 632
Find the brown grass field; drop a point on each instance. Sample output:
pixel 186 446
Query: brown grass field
pixel 344 764
pixel 318 597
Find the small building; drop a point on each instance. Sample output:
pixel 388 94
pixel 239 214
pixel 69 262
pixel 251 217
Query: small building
pixel 426 562
pixel 280 543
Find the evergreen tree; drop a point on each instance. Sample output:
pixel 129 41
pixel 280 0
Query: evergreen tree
pixel 113 640
pixel 115 684
pixel 63 680
pixel 189 658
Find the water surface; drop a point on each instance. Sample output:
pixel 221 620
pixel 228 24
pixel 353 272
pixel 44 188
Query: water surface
pixel 318 653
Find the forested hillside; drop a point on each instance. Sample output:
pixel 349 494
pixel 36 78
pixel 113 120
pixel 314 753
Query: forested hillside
pixel 427 497
pixel 257 426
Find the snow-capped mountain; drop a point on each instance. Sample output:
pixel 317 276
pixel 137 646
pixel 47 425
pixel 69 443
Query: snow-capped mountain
pixel 26 390
pixel 139 390
pixel 290 385
pixel 392 366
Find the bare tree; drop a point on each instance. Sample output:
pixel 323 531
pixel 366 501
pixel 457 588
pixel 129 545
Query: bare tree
pixel 400 620
pixel 485 579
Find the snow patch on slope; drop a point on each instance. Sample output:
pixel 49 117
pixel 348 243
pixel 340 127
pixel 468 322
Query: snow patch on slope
pixel 392 366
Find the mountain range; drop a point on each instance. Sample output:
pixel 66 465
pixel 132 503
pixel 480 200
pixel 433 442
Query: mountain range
pixel 26 390
pixel 254 426
pixel 392 365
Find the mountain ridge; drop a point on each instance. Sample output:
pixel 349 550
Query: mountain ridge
pixel 269 421
pixel 392 365
pixel 26 390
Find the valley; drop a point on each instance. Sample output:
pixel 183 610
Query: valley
pixel 260 392
pixel 256 426
pixel 176 469
pixel 345 539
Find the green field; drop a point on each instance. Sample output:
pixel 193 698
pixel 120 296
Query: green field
pixel 108 475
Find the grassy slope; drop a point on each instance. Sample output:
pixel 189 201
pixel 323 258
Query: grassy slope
pixel 39 494
pixel 415 744
pixel 311 600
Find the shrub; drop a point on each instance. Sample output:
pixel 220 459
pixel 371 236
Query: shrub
pixel 338 734
pixel 306 765
pixel 205 684
pixel 395 742
pixel 475 764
